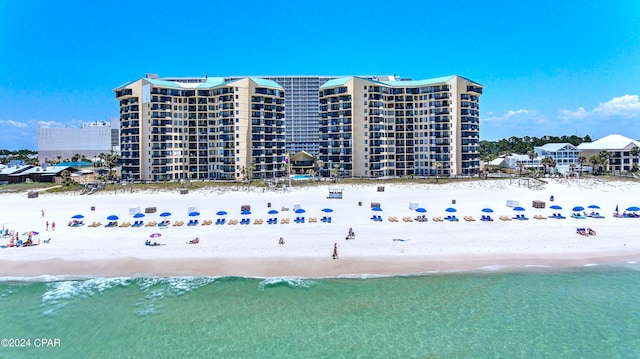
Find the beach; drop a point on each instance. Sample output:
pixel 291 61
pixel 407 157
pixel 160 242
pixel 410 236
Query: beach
pixel 379 248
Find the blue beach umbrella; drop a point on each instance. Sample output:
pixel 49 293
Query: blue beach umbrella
pixel 594 206
pixel 450 209
pixel 633 209
pixel 578 208
pixel 421 210
pixel 328 210
pixel 221 213
pixel 616 208
pixel 555 206
pixel 78 216
pixel 519 209
pixel 377 209
pixel 165 214
pixel 113 217
pixel 194 214
pixel 273 211
pixel 138 215
pixel 299 210
pixel 487 210
pixel 245 212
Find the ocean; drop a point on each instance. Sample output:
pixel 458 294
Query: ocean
pixel 589 312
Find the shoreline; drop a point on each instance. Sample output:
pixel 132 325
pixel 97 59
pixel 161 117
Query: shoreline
pixel 307 267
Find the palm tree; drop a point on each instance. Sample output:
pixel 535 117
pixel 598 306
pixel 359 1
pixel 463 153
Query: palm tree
pixel 603 160
pixel 335 171
pixel 532 156
pixel 635 152
pixel 581 161
pixel 546 163
pixel 520 165
pixel 319 166
pixel 594 161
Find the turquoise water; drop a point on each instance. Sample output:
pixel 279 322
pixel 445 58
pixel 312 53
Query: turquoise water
pixel 585 313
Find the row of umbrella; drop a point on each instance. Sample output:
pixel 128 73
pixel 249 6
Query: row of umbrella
pixel 195 214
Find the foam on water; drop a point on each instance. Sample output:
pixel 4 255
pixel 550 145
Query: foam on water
pixel 59 294
pixel 293 282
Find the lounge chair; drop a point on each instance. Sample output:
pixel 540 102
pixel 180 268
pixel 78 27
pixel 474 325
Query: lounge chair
pixel 582 231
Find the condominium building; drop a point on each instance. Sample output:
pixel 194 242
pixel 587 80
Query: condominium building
pixel 374 128
pixel 201 128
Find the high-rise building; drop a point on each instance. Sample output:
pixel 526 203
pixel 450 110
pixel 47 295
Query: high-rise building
pixel 374 128
pixel 301 103
pixel 89 140
pixel 201 128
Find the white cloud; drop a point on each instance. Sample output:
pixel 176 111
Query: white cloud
pixel 511 114
pixel 48 124
pixel 580 113
pixel 627 106
pixel 623 106
pixel 14 123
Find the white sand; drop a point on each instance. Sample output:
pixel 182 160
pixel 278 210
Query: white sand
pixel 253 250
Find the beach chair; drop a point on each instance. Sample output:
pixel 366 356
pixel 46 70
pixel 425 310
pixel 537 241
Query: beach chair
pixel 582 231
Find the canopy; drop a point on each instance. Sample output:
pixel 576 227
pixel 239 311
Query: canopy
pixel 221 213
pixel 273 211
pixel 377 209
pixel 194 214
pixel 555 206
pixel 519 209
pixel 30 233
pixel 594 206
pixel 421 210
pixel 113 217
pixel 245 212
pixel 299 210
pixel 78 216
pixel 578 208
pixel 328 210
pixel 165 214
pixel 487 210
pixel 450 209
pixel 633 209
pixel 138 215
pixel 155 235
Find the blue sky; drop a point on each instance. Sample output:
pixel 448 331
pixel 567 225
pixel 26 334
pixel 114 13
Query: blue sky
pixel 548 67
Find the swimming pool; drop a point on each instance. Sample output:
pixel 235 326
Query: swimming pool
pixel 301 177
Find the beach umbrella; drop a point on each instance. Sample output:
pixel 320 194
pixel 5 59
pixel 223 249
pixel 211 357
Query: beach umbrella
pixel 113 217
pixel 78 216
pixel 245 212
pixel 30 233
pixel 273 211
pixel 421 210
pixel 194 214
pixel 519 209
pixel 616 208
pixel 155 235
pixel 328 210
pixel 377 209
pixel 578 208
pixel 451 210
pixel 300 210
pixel 165 214
pixel 594 206
pixel 487 210
pixel 555 206
pixel 633 209
pixel 221 213
pixel 138 215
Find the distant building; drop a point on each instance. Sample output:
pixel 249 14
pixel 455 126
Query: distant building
pixel 622 149
pixel 565 155
pixel 89 140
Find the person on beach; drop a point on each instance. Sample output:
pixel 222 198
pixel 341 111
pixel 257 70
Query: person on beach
pixel 47 225
pixel 281 241
pixel 53 226
pixel 335 251
pixel 42 212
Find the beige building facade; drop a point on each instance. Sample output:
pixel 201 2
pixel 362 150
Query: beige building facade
pixel 201 128
pixel 425 128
